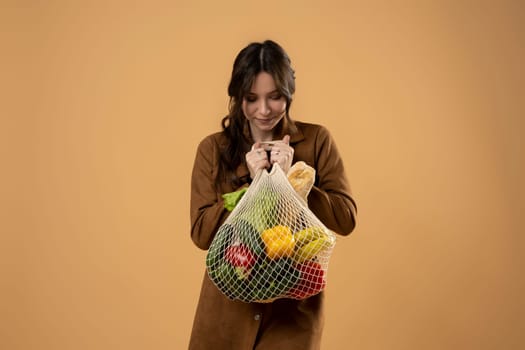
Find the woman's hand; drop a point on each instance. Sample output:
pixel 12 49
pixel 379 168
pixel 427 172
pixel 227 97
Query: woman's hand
pixel 257 159
pixel 282 154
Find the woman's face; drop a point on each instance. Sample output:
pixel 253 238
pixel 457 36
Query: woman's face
pixel 264 107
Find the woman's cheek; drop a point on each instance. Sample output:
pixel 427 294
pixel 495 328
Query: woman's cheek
pixel 279 106
pixel 247 109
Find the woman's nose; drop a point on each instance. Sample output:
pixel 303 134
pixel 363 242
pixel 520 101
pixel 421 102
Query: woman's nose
pixel 264 108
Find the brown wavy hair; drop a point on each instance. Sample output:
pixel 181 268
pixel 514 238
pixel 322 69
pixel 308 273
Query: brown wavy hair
pixel 255 58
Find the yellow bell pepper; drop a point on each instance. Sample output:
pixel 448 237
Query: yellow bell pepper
pixel 279 242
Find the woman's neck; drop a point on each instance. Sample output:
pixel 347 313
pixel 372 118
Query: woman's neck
pixel 259 136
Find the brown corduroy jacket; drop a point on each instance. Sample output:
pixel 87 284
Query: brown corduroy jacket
pixel 221 323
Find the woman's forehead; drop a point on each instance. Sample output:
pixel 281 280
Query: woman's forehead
pixel 263 83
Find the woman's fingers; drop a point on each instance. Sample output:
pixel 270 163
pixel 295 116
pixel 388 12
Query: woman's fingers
pixel 282 153
pixel 256 159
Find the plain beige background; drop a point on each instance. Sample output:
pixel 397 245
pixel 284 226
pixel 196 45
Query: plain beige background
pixel 103 104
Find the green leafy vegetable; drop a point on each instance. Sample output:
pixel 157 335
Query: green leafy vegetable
pixel 262 212
pixel 232 198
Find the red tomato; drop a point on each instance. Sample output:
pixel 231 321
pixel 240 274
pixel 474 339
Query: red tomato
pixel 312 280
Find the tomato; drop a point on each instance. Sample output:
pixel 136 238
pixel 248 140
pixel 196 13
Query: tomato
pixel 312 281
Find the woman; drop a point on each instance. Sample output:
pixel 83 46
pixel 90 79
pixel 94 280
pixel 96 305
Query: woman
pixel 261 89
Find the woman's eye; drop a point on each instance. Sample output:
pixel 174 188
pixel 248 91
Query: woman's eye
pixel 250 99
pixel 276 97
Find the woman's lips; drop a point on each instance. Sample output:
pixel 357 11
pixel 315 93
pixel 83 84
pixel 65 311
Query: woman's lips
pixel 265 121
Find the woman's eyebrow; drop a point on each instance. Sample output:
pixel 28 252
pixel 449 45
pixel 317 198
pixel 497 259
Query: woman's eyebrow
pixel 269 93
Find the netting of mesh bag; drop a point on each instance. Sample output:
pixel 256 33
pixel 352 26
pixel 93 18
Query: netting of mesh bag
pixel 271 246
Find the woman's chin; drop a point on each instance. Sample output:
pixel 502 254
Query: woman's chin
pixel 266 125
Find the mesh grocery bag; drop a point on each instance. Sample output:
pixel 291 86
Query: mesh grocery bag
pixel 271 246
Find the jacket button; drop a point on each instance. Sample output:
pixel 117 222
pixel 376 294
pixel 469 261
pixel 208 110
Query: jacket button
pixel 257 317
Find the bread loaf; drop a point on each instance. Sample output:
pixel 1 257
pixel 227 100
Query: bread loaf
pixel 301 177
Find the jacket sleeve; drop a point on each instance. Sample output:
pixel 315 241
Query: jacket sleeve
pixel 206 205
pixel 330 198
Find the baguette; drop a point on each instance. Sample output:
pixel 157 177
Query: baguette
pixel 301 177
